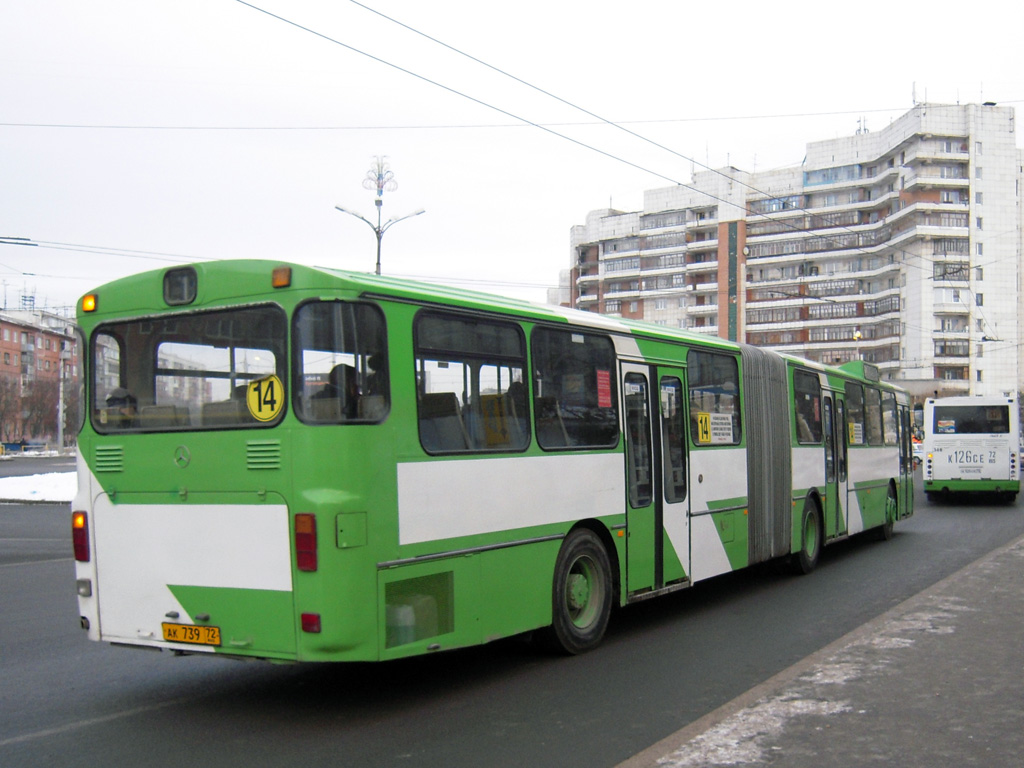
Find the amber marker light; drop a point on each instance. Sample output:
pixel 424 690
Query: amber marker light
pixel 89 302
pixel 281 277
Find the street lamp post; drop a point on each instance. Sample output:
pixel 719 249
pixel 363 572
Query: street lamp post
pixel 381 179
pixel 378 228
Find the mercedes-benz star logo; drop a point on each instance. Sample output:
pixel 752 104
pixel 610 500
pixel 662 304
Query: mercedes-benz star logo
pixel 182 456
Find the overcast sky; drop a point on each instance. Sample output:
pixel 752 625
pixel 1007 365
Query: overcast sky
pixel 135 134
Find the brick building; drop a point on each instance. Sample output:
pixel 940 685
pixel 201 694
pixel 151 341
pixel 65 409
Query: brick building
pixel 38 357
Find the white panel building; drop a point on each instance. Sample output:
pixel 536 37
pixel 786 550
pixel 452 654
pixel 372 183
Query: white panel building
pixel 901 247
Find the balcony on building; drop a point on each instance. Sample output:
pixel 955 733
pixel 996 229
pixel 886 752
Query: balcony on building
pixel 934 151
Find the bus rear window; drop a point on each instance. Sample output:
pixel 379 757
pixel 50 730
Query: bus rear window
pixel 195 371
pixel 971 420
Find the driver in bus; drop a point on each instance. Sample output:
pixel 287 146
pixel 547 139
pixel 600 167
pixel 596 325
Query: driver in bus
pixel 342 384
pixel 121 409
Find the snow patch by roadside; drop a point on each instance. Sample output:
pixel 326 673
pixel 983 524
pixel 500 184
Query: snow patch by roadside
pixel 54 487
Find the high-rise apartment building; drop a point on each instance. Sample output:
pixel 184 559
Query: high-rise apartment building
pixel 901 247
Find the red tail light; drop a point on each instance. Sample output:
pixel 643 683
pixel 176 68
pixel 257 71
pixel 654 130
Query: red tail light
pixel 305 542
pixel 311 623
pixel 80 536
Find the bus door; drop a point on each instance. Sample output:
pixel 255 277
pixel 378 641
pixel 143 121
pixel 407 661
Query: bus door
pixel 674 475
pixel 906 497
pixel 836 508
pixel 654 410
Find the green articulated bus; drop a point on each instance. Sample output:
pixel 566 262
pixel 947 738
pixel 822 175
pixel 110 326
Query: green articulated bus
pixel 300 464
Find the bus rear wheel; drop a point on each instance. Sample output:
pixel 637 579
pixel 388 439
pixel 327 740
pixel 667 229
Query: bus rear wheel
pixel 581 593
pixel 806 560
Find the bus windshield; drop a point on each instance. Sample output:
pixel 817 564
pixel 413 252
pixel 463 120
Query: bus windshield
pixel 190 371
pixel 971 419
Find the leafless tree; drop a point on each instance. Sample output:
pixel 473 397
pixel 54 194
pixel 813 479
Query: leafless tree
pixel 10 408
pixel 39 407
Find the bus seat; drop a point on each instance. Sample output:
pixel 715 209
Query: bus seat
pixel 324 408
pixel 551 432
pixel 441 427
pixel 162 416
pixel 372 407
pixel 226 413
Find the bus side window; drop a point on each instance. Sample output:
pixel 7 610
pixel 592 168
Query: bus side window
pixel 471 393
pixel 714 383
pixel 343 363
pixel 855 413
pixel 575 402
pixel 807 407
pixel 873 415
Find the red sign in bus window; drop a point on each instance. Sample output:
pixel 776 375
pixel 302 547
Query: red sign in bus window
pixel 604 389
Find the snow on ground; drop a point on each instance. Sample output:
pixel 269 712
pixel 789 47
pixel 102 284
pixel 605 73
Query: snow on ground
pixel 55 486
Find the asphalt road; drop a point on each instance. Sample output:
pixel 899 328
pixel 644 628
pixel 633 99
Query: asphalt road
pixel 16 466
pixel 665 663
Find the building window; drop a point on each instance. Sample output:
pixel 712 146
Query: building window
pixel 977 172
pixel 978 197
pixel 979 299
pixel 978 222
pixel 979 249
pixel 977 147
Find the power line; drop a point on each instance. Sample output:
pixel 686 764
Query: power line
pixel 177 258
pixel 542 127
pixel 456 126
pixel 794 228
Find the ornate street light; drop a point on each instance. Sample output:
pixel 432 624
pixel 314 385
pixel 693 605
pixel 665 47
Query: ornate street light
pixel 381 179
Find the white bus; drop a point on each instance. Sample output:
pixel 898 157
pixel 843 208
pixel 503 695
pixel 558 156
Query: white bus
pixel 972 444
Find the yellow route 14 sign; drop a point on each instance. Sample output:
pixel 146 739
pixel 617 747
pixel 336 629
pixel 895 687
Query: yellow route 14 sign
pixel 265 398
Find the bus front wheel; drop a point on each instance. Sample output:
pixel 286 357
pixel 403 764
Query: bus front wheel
pixel 581 593
pixel 806 559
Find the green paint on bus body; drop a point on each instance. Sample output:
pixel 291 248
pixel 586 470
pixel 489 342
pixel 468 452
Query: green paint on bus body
pixel 252 622
pixel 376 597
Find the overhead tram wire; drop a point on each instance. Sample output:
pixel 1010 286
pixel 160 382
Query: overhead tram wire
pixel 794 228
pixel 456 92
pixel 179 258
pixel 522 120
pixel 505 112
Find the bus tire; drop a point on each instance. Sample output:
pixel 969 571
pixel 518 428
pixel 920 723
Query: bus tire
pixel 581 593
pixel 806 558
pixel 891 510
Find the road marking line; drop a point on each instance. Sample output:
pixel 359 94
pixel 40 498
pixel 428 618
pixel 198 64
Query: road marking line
pixel 91 721
pixel 38 562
